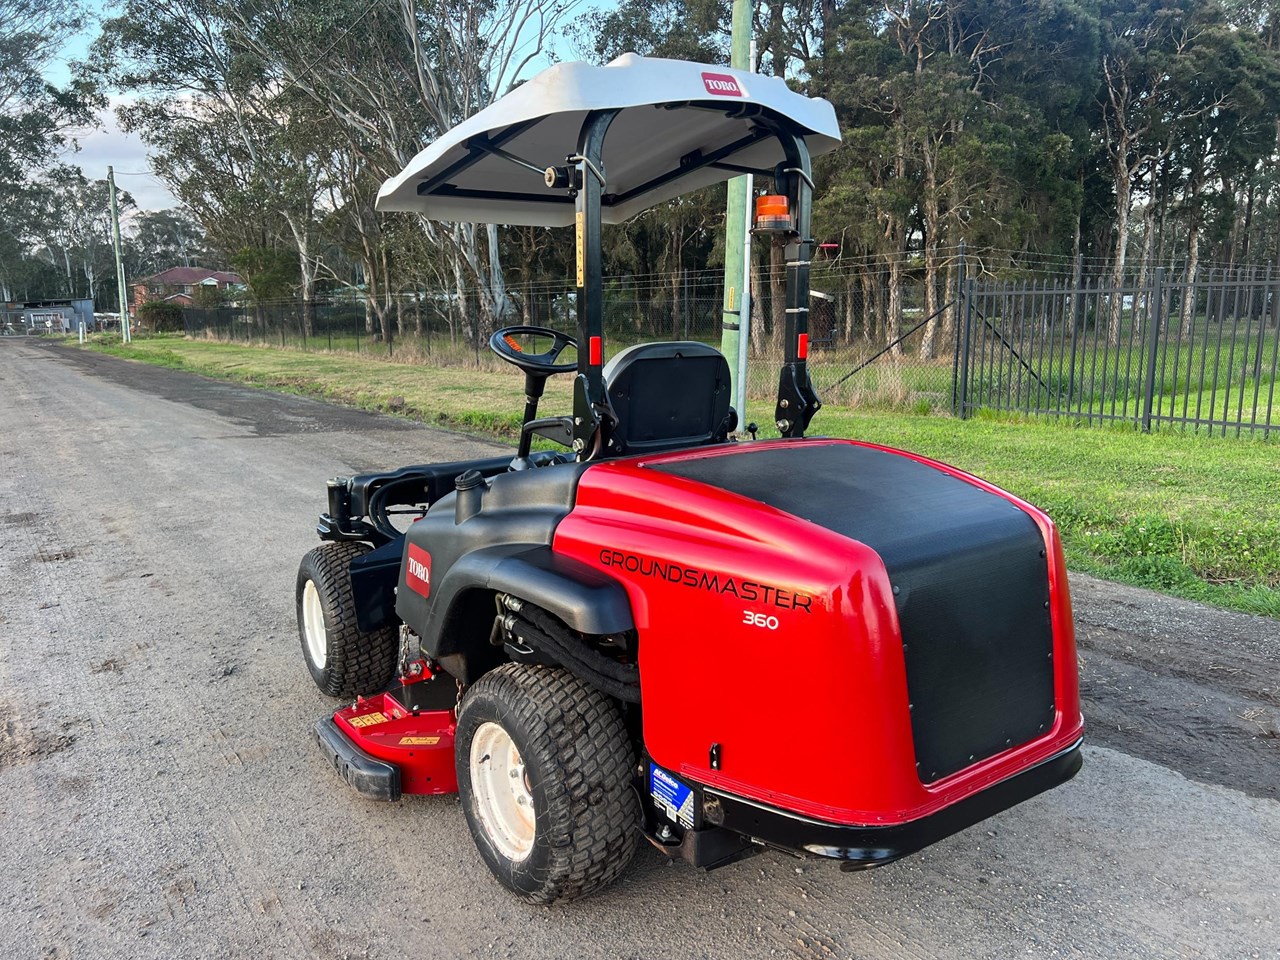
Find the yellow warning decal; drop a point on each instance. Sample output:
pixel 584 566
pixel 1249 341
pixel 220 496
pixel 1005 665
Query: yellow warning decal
pixel 419 741
pixel 581 246
pixel 368 720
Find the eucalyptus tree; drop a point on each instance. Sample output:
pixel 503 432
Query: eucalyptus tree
pixel 67 223
pixel 1228 90
pixel 35 114
pixel 202 158
pixel 1139 107
pixel 394 74
pixel 168 238
pixel 35 117
pixel 225 135
pixel 20 207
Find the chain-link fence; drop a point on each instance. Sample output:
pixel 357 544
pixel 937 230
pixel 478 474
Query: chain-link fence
pixel 855 316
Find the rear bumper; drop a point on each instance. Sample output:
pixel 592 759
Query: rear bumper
pixel 863 847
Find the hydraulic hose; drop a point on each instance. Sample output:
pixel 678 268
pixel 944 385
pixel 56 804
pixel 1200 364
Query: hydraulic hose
pixel 536 630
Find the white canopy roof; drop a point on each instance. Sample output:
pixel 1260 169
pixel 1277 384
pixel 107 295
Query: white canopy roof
pixel 539 122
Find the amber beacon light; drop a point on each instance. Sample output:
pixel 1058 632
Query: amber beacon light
pixel 773 214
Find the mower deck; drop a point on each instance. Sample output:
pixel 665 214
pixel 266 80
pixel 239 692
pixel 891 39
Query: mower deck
pixel 394 743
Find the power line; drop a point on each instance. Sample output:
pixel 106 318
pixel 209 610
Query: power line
pixel 308 68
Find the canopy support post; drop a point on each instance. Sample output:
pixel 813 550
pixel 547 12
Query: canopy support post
pixel 797 401
pixel 592 419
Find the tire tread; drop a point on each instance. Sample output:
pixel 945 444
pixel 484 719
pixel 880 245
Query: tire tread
pixel 595 839
pixel 356 662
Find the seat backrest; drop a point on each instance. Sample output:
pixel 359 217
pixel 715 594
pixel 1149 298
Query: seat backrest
pixel 669 395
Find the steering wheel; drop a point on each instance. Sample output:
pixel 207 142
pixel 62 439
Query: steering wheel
pixel 505 344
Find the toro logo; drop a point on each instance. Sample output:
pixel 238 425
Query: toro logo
pixel 417 570
pixel 721 85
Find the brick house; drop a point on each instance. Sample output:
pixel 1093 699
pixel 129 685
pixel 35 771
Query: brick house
pixel 178 285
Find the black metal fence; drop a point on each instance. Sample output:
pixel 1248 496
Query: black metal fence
pixel 1160 350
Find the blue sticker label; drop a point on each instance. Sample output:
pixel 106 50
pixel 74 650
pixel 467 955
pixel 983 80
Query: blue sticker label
pixel 671 796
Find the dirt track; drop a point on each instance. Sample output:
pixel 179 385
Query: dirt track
pixel 160 796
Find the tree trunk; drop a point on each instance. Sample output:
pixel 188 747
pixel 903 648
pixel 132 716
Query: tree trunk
pixel 1144 268
pixel 894 317
pixel 1124 190
pixel 882 308
pixel 777 296
pixel 459 297
pixel 1077 261
pixel 757 314
pixel 497 282
pixel 386 296
pixel 301 230
pixel 850 291
pixel 1234 238
pixel 675 304
pixel 1246 234
pixel 1193 254
pixel 947 321
pixel 932 235
pixel 896 235
pixel 1193 269
pixel 867 280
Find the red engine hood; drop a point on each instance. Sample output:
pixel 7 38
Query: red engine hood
pixel 775 638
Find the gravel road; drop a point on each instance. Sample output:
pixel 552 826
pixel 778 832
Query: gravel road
pixel 160 795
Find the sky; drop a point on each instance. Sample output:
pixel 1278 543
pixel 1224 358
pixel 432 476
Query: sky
pixel 111 146
pixel 108 145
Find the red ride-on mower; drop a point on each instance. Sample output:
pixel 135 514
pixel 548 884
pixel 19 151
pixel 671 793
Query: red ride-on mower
pixel 816 646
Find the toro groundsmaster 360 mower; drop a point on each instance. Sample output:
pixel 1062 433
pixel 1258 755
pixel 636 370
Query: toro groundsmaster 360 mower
pixel 817 646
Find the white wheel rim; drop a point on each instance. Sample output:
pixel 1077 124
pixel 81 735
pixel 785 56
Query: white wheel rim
pixel 313 625
pixel 501 789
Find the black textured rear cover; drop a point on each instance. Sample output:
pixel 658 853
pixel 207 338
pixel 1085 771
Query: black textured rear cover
pixel 971 579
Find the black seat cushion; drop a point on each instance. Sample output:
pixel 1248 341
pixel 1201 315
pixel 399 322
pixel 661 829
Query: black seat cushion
pixel 669 395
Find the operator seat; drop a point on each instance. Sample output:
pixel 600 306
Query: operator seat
pixel 669 395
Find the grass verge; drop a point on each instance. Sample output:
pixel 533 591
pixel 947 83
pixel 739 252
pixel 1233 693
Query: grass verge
pixel 1191 516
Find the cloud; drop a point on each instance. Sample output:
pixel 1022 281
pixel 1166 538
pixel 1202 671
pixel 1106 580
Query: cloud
pixel 108 145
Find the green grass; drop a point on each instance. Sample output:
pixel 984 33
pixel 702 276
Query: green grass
pixel 1188 515
pixel 1191 516
pixel 484 397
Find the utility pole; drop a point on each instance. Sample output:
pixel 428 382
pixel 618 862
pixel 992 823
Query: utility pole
pixel 744 311
pixel 735 217
pixel 115 237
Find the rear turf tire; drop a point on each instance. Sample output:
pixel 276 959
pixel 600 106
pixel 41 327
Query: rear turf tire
pixel 342 660
pixel 536 739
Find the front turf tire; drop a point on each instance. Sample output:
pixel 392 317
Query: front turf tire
pixel 538 737
pixel 343 660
